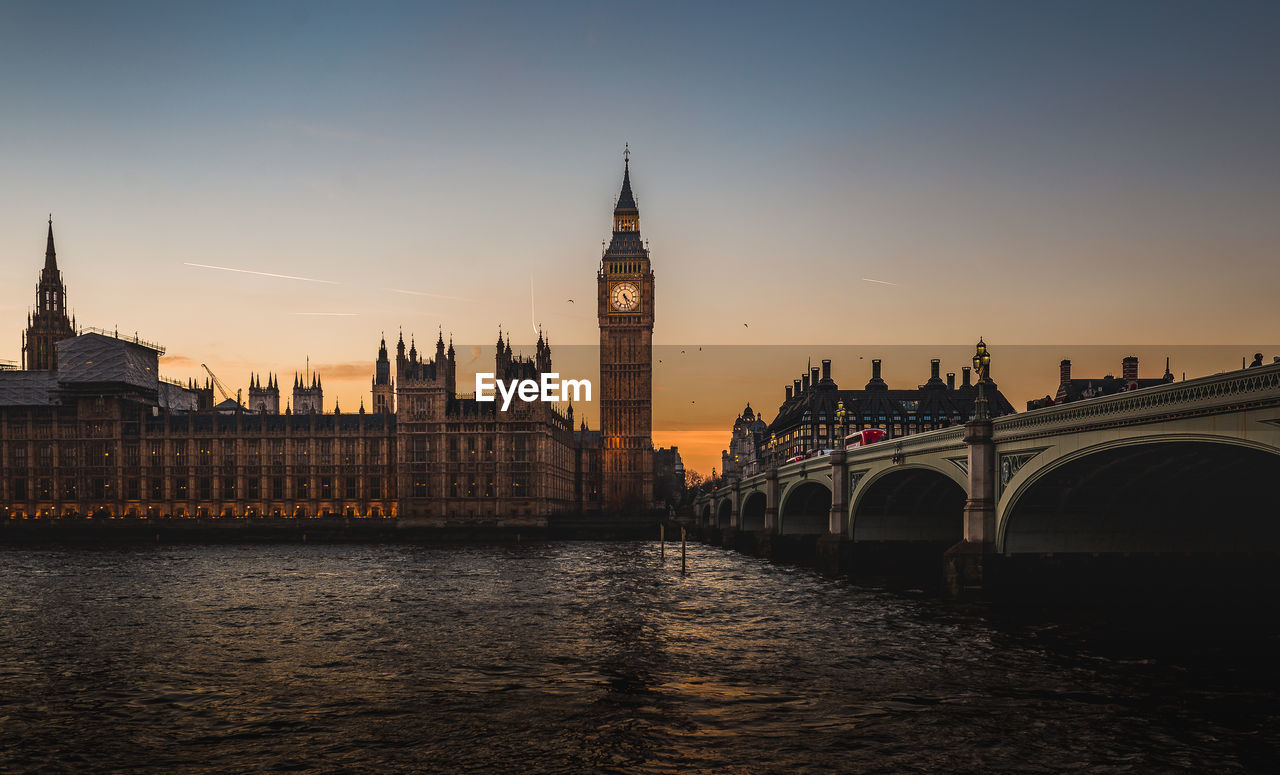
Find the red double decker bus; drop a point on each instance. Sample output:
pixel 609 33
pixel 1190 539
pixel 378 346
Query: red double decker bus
pixel 863 438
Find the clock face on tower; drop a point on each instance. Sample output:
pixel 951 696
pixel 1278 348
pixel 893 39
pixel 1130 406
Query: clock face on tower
pixel 624 297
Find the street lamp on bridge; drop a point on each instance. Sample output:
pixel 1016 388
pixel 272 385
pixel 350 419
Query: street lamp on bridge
pixel 842 417
pixel 982 368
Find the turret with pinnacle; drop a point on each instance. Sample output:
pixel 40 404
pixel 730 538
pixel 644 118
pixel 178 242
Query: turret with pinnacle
pixel 49 323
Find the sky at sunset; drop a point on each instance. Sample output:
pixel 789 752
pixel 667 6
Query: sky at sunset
pixel 889 177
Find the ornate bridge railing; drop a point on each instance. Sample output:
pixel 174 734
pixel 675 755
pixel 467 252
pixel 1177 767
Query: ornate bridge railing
pixel 1219 394
pixel 952 436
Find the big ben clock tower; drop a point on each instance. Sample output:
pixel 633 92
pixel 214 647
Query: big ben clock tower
pixel 625 309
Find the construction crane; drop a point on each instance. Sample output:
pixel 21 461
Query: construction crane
pixel 218 384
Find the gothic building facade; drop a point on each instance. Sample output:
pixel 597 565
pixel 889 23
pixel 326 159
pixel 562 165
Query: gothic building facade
pixel 458 458
pixel 625 309
pixel 107 436
pixel 308 398
pixel 384 389
pixel 102 436
pixel 264 400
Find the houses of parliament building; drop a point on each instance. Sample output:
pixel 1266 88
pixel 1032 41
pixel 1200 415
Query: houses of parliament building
pixel 88 428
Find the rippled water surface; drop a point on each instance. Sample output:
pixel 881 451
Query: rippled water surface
pixel 574 657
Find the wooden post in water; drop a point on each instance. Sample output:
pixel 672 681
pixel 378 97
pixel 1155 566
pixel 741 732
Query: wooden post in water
pixel 682 559
pixel 662 541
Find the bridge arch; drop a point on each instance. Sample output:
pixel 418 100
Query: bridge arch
pixel 751 515
pixel 806 509
pixel 706 514
pixel 909 503
pixel 724 514
pixel 1149 494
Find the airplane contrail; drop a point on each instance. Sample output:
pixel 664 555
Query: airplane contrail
pixel 432 295
pixel 533 317
pixel 881 282
pixel 263 274
pixel 332 314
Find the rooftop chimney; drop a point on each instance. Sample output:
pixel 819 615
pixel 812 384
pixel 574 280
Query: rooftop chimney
pixel 933 368
pixel 804 381
pixel 795 387
pixel 826 368
pixel 1064 372
pixel 788 392
pixel 1129 367
pixel 813 376
pixel 964 377
pixel 951 380
pixel 875 383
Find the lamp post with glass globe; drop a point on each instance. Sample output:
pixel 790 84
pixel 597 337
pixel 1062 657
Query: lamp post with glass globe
pixel 982 369
pixel 964 563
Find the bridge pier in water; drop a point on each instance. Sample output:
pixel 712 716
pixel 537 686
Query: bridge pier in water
pixel 833 551
pixel 965 564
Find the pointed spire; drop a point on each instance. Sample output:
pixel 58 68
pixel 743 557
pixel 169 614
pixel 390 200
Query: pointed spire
pixel 50 255
pixel 626 201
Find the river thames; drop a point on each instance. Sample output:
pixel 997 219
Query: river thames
pixel 577 657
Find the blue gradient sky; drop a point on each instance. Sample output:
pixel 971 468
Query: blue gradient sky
pixel 1103 172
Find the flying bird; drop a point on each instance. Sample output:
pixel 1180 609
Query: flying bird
pixel 744 325
pixel 570 301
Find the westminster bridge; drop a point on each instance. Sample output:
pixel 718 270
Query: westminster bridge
pixel 1184 469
